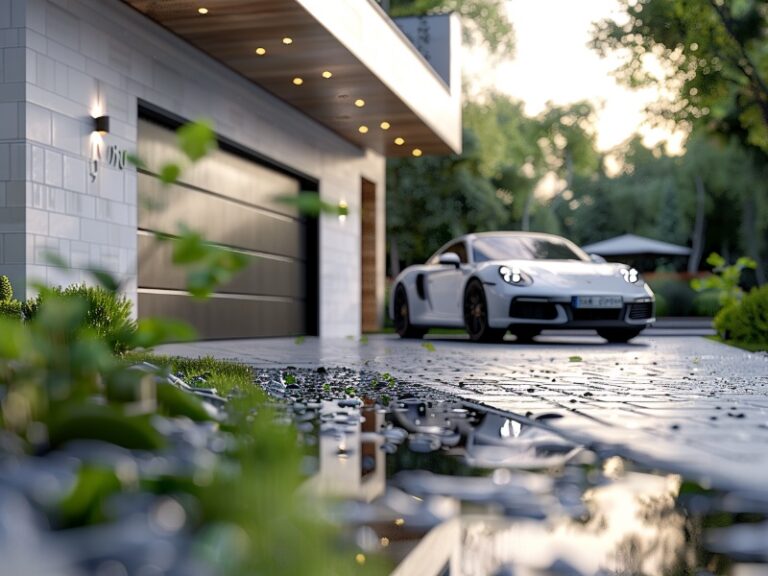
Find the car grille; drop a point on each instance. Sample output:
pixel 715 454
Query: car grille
pixel 532 310
pixel 596 314
pixel 641 310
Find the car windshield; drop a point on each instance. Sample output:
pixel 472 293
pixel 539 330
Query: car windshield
pixel 487 248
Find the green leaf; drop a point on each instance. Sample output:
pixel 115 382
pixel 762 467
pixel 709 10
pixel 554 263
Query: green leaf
pixel 136 161
pixel 54 259
pixel 15 339
pixel 170 173
pixel 428 346
pixel 175 402
pixel 189 248
pixel 196 139
pixel 80 421
pixel 574 358
pixel 151 332
pixel 105 279
pixel 310 204
pixel 299 340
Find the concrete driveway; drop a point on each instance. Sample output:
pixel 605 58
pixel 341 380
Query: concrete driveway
pixel 683 404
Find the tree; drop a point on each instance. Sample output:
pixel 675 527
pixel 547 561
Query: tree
pixel 712 55
pixel 485 21
pixel 433 199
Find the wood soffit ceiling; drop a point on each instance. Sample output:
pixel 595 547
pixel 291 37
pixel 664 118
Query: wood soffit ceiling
pixel 231 32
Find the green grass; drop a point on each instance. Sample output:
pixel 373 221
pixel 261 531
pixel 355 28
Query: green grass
pixel 220 374
pixel 748 346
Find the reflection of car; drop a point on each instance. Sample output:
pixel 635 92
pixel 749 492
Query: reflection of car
pixel 523 282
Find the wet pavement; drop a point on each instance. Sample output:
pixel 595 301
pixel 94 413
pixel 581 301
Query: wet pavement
pixel 685 405
pixel 439 486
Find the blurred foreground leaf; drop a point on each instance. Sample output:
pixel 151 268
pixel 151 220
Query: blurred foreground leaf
pixel 151 332
pixel 196 139
pixel 310 204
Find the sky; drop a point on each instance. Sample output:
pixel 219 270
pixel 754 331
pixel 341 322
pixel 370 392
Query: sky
pixel 553 63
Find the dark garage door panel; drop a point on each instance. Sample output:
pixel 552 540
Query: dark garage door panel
pixel 230 201
pixel 264 276
pixel 218 219
pixel 227 318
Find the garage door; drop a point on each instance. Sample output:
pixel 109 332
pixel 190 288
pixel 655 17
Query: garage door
pixel 230 200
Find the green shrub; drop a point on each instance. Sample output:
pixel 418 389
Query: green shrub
pixel 725 320
pixel 10 309
pixel 6 290
pixel 747 321
pixel 673 297
pixel 108 314
pixel 706 303
pixel 725 278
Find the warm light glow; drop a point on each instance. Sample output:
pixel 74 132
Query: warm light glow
pixel 327 74
pixel 202 10
pixel 260 51
pixel 385 125
pixel 399 522
pixel 363 129
pixel 360 559
pixel 343 208
pixel 384 542
pixel 416 152
pixel 287 40
pixel 399 141
pixel 298 81
pixel 359 102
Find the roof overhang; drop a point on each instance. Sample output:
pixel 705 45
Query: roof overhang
pixel 368 57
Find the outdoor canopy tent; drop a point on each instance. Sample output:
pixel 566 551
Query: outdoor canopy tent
pixel 642 253
pixel 631 245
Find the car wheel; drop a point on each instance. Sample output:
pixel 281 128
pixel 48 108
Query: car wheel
pixel 526 334
pixel 619 335
pixel 402 319
pixel 476 315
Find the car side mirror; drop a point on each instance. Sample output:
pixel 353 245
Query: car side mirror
pixel 450 259
pixel 597 259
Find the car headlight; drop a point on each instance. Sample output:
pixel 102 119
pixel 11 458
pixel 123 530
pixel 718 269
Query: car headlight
pixel 513 275
pixel 630 275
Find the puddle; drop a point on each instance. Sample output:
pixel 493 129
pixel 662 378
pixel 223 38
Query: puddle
pixel 444 488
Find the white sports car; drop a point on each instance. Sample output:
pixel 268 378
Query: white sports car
pixel 523 282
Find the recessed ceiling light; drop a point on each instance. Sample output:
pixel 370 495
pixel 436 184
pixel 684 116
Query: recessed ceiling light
pixel 287 40
pixel 399 141
pixel 385 125
pixel 260 51
pixel 298 81
pixel 327 74
pixel 416 152
pixel 363 129
pixel 202 10
pixel 359 102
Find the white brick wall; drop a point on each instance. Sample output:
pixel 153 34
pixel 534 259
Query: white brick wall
pixel 13 164
pixel 70 54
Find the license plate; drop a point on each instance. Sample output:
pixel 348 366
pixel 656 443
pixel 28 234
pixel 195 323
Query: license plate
pixel 597 302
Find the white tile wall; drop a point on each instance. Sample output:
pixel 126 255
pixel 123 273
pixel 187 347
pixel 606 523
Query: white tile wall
pixel 77 53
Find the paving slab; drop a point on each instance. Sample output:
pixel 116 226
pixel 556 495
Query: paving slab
pixel 684 404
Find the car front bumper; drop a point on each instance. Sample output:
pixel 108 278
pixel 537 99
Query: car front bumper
pixel 508 309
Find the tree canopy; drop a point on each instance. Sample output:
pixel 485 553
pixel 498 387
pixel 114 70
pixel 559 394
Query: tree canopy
pixel 712 58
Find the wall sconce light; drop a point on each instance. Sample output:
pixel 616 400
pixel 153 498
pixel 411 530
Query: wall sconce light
pixel 101 125
pixel 343 210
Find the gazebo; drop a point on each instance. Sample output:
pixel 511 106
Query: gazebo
pixel 638 251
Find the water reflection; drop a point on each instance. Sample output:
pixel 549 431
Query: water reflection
pixel 445 488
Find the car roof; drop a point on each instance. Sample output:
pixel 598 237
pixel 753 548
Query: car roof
pixel 513 233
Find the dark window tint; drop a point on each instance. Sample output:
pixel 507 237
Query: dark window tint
pixel 524 248
pixel 458 248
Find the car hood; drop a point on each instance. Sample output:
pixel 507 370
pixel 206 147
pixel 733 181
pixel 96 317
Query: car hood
pixel 588 276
